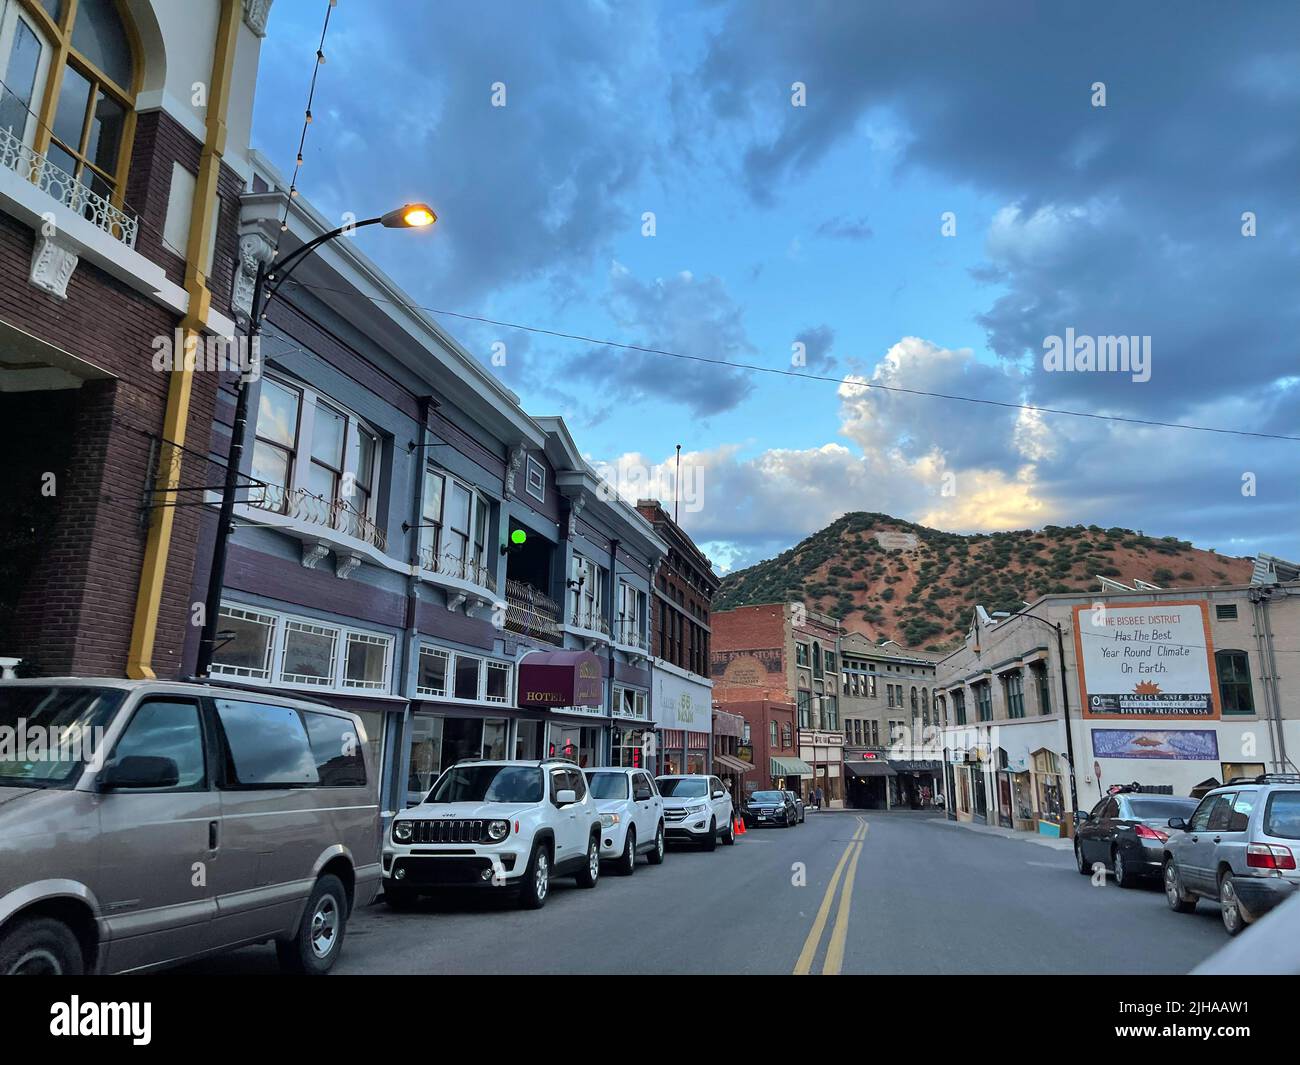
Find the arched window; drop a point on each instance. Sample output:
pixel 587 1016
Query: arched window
pixel 73 74
pixel 1234 682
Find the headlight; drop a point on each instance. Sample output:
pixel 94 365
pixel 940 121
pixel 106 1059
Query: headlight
pixel 698 808
pixel 497 831
pixel 402 831
pixel 609 820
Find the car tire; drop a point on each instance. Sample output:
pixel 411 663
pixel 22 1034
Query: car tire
pixel 319 940
pixel 1234 915
pixel 590 872
pixel 1123 878
pixel 1079 862
pixel 656 856
pixel 400 898
pixel 627 861
pixel 729 836
pixel 536 883
pixel 1179 900
pixel 40 946
pixel 710 841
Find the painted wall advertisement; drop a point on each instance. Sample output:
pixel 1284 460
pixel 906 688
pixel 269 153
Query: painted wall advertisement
pixel 1146 660
pixel 1189 745
pixel 682 704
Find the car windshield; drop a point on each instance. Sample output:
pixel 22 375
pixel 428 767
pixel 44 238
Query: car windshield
pixel 608 785
pixel 51 732
pixel 1282 816
pixel 488 783
pixel 683 787
pixel 768 796
pixel 1161 809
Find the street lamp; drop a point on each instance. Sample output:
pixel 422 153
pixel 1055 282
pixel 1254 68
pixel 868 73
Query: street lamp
pixel 265 287
pixel 1065 706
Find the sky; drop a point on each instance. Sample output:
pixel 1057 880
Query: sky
pixel 886 199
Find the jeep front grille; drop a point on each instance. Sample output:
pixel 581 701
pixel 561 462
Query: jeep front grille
pixel 447 831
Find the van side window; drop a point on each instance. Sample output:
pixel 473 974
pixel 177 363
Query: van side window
pixel 266 746
pixel 167 728
pixel 337 750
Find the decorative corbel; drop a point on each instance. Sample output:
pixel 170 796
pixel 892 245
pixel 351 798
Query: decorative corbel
pixel 575 508
pixel 254 248
pixel 53 262
pixel 347 564
pixel 514 463
pixel 312 552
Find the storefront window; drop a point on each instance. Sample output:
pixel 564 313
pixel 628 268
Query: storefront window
pixel 695 762
pixel 576 742
pixel 494 739
pixel 462 737
pixel 526 738
pixel 426 756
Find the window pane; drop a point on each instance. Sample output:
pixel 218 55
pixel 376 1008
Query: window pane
pixel 321 482
pixel 268 744
pixel 271 465
pixel 365 660
pixel 432 679
pixel 458 519
pixel 432 496
pixel 105 133
pixel 54 7
pixel 426 756
pixel 99 36
pixel 337 750
pixel 70 116
pixel 327 437
pixel 248 653
pixel 164 729
pixel 277 414
pixel 308 653
pixel 498 683
pixel 24 60
pixel 494 739
pixel 466 677
pixel 363 459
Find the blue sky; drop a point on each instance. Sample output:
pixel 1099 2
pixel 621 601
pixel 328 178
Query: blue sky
pixel 822 224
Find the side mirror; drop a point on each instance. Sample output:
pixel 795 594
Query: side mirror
pixel 1178 823
pixel 566 797
pixel 719 794
pixel 140 771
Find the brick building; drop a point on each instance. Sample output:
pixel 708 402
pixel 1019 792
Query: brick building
pixel 119 202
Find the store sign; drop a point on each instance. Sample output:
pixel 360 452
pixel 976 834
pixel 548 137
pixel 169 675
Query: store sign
pixel 1146 660
pixel 561 679
pixel 1187 745
pixel 682 704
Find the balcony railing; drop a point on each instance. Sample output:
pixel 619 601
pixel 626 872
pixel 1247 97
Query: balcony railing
pixel 316 510
pixel 464 569
pixel 531 612
pixel 630 633
pixel 62 186
pixel 582 618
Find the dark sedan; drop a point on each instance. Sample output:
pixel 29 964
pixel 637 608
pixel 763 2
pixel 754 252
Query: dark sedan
pixel 770 808
pixel 1126 833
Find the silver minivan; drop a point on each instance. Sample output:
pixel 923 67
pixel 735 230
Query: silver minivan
pixel 145 823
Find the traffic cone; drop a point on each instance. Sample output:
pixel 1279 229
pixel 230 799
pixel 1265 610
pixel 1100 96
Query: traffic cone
pixel 740 826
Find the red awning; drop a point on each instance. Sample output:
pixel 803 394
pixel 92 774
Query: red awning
pixel 561 678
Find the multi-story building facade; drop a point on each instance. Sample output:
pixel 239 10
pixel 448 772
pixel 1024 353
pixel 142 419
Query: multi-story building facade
pixel 681 602
pixel 1166 688
pixel 411 544
pixel 123 151
pixel 777 664
pixel 890 710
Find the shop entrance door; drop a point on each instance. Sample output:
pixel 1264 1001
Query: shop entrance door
pixel 981 811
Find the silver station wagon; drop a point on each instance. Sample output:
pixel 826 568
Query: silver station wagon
pixel 146 823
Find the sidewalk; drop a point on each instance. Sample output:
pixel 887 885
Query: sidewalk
pixel 1008 833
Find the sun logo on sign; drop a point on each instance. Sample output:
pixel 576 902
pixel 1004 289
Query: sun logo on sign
pixel 1147 688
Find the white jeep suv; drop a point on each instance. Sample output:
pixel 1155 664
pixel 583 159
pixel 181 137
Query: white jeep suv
pixel 497 824
pixel 698 808
pixel 631 816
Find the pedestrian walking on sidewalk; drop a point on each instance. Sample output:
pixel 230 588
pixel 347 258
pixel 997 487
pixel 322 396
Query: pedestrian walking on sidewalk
pixel 820 796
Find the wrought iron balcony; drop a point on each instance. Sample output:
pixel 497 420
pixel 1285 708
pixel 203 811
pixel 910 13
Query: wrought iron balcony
pixel 316 510
pixel 630 633
pixel 581 618
pixel 451 565
pixel 62 186
pixel 530 612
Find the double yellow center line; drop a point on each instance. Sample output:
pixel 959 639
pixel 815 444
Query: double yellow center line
pixel 839 934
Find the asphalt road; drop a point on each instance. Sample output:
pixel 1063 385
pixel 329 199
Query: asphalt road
pixel 876 893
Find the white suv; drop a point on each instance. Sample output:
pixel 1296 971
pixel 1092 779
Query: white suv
pixel 698 808
pixel 495 824
pixel 631 816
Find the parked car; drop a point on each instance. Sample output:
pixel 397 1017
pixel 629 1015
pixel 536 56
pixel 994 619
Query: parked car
pixel 798 805
pixel 194 819
pixel 631 816
pixel 697 808
pixel 771 808
pixel 505 825
pixel 1238 848
pixel 1126 832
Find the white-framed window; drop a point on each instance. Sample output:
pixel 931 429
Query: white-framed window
pixel 314 458
pixel 535 479
pixel 301 652
pixel 630 702
pixel 585 598
pixel 454 532
pixel 25 65
pixel 631 614
pixel 458 675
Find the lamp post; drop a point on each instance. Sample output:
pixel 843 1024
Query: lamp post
pixel 265 287
pixel 1065 707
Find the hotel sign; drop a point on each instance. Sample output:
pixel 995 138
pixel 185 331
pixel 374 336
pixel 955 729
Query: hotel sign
pixel 561 679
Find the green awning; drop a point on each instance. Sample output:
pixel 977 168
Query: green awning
pixel 790 767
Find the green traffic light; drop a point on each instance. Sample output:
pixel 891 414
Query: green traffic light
pixel 518 536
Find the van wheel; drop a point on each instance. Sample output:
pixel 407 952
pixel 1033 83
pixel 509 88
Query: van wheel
pixel 40 946
pixel 711 840
pixel 537 879
pixel 1179 900
pixel 656 856
pixel 319 941
pixel 591 871
pixel 627 862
